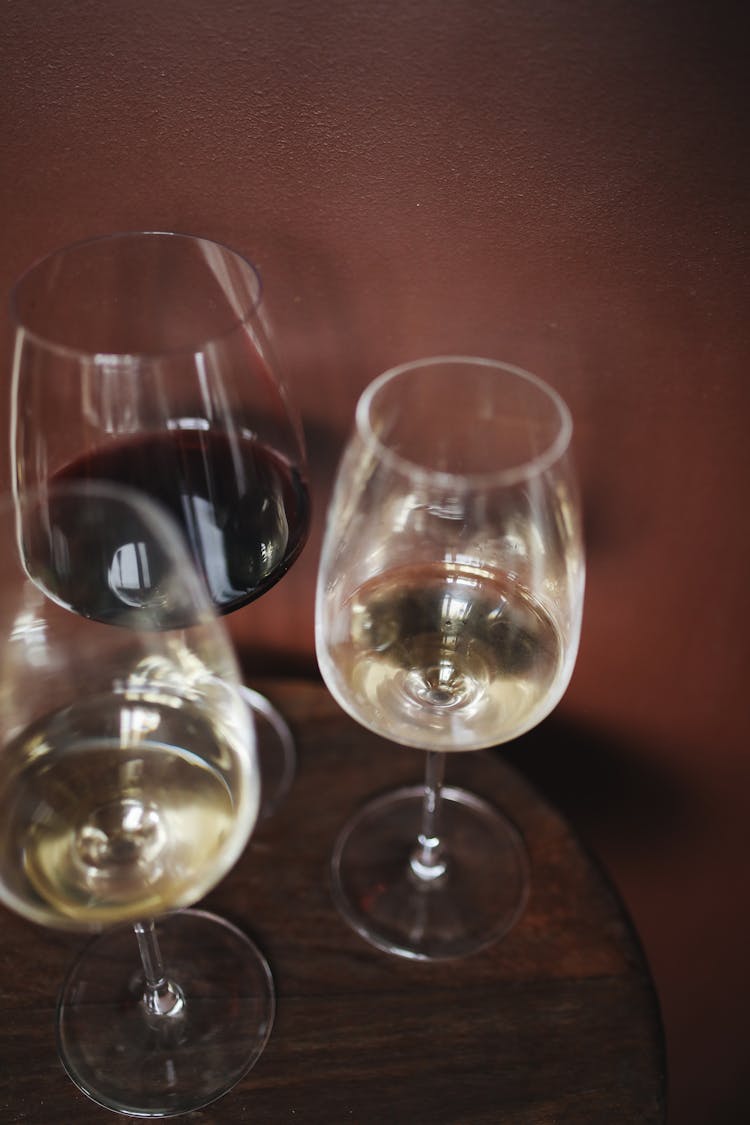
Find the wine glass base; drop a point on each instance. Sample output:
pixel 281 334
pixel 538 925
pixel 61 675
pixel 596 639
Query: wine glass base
pixel 132 1062
pixel 277 759
pixel 478 899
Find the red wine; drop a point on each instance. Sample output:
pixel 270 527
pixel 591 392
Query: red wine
pixel 243 509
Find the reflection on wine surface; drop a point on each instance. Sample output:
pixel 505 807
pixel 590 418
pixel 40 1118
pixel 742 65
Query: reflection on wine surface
pixel 242 507
pixel 117 809
pixel 444 656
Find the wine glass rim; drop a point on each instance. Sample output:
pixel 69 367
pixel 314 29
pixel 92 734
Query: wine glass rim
pixel 129 356
pixel 506 476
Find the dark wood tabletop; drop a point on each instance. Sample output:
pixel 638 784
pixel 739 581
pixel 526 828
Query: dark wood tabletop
pixel 557 1023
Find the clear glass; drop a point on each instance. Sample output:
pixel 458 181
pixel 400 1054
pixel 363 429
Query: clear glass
pixel 448 614
pixel 129 787
pixel 145 359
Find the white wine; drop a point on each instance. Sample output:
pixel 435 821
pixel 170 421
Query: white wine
pixel 444 657
pixel 120 808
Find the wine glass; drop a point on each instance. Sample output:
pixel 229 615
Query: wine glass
pixel 448 614
pixel 129 787
pixel 144 359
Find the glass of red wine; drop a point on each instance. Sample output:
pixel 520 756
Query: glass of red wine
pixel 144 359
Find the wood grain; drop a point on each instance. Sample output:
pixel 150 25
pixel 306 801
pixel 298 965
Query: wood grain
pixel 557 1023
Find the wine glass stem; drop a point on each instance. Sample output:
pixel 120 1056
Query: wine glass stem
pixel 160 996
pixel 428 857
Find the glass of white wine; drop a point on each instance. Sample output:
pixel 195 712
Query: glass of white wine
pixel 129 787
pixel 448 615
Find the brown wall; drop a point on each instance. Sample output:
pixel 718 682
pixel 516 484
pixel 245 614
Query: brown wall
pixel 561 185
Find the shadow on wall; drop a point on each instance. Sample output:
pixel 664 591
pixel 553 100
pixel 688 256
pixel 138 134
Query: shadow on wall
pixel 605 788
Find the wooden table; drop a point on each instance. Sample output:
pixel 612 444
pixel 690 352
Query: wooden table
pixel 556 1023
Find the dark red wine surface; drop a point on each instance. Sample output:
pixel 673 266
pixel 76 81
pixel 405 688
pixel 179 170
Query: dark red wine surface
pixel 243 509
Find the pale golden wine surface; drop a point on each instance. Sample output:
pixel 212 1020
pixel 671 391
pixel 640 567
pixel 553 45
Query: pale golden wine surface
pixel 444 657
pixel 115 811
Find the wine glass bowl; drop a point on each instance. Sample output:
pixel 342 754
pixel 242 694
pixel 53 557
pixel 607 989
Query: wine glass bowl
pixel 145 359
pixel 129 788
pixel 448 615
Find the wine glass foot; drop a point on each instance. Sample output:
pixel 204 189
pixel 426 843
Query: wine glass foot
pixel 132 1062
pixel 476 899
pixel 277 758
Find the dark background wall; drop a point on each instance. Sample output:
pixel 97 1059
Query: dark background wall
pixel 562 185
